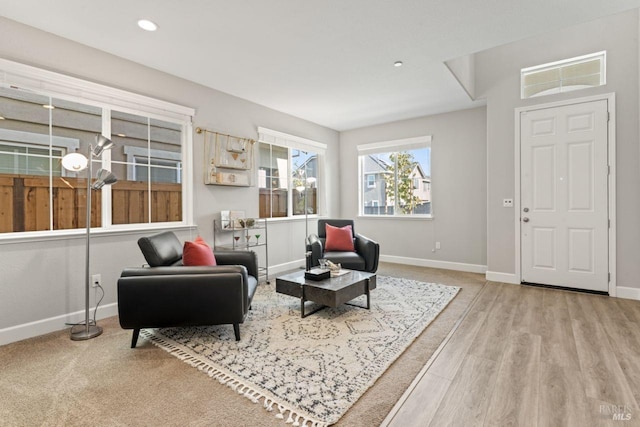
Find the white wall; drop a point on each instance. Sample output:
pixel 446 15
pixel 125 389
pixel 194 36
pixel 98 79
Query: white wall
pixel 458 176
pixel 41 280
pixel 498 80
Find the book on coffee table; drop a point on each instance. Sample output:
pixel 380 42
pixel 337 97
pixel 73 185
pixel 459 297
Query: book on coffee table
pixel 317 274
pixel 339 273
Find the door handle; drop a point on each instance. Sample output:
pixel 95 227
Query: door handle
pixel 525 219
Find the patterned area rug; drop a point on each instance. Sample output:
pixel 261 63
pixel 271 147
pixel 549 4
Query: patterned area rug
pixel 310 371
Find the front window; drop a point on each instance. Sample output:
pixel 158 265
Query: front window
pixel 403 186
pixel 149 163
pixel 288 181
pixel 38 194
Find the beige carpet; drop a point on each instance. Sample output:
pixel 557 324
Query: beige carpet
pixel 53 381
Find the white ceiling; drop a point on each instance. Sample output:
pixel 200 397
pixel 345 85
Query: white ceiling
pixel 328 61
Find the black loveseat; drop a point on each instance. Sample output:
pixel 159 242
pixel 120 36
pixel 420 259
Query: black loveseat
pixel 169 294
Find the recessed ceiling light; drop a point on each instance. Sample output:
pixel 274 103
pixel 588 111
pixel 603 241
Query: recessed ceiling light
pixel 397 64
pixel 49 106
pixel 147 25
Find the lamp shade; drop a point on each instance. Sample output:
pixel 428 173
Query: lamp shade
pixel 102 143
pixel 104 177
pixel 74 162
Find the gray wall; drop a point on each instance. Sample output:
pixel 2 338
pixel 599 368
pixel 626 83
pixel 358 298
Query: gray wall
pixel 44 279
pixel 498 80
pixel 459 192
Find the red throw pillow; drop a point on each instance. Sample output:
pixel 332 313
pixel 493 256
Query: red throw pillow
pixel 197 253
pixel 339 238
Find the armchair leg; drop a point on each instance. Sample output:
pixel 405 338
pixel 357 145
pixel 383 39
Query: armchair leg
pixel 134 338
pixel 236 331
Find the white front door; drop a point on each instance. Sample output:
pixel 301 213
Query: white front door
pixel 564 177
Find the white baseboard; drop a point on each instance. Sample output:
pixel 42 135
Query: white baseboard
pixel 287 266
pixel 628 293
pixel 445 265
pixel 495 276
pixel 52 324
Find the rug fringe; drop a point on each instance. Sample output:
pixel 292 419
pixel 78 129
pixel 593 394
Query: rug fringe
pixel 294 418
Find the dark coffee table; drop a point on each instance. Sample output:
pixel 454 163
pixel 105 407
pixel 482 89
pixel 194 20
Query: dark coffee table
pixel 331 292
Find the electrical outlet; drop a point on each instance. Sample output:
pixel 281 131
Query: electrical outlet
pixel 507 203
pixel 437 245
pixel 96 280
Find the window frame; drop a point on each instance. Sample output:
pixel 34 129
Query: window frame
pixel 34 80
pixel 393 146
pixel 561 65
pixel 291 143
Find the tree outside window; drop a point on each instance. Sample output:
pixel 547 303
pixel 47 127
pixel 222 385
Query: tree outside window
pixel 402 182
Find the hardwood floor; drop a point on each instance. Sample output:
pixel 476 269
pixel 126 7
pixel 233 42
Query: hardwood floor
pixel 526 356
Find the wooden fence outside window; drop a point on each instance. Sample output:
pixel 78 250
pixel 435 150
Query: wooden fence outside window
pixel 24 203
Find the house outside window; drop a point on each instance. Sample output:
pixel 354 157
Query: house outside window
pixel 402 176
pixel 37 130
pixel 289 177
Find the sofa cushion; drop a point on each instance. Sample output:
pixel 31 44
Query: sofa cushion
pixel 339 238
pixel 348 260
pixel 197 253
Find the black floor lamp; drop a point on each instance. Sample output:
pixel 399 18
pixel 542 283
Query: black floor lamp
pixel 75 162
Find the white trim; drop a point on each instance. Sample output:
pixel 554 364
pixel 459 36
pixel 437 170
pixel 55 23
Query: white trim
pixel 445 265
pixel 282 139
pixel 55 84
pixel 613 280
pixel 188 201
pixel 577 59
pixel 628 293
pixel 398 217
pixel 394 145
pixel 495 276
pixel 81 233
pixel 52 324
pixel 418 262
pixel 284 268
pixel 611 108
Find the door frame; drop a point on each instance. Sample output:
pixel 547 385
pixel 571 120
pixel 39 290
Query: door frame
pixel 611 185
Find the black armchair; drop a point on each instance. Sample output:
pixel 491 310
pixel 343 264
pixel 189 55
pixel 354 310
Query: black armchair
pixel 169 294
pixel 365 257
